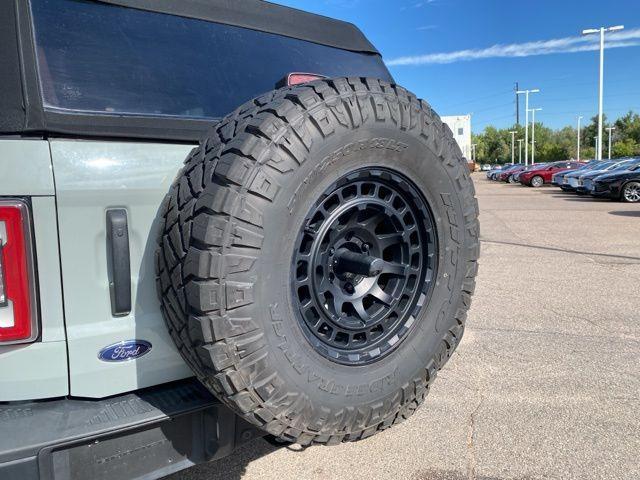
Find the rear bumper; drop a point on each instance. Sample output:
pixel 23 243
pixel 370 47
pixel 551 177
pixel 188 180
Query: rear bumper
pixel 149 433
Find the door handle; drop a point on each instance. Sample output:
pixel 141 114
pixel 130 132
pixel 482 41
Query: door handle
pixel 118 261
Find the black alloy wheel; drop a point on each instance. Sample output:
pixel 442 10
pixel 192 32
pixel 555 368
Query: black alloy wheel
pixel 363 266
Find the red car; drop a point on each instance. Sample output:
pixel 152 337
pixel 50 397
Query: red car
pixel 536 177
pixel 504 176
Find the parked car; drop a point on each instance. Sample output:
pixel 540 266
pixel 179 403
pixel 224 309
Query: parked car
pixel 585 181
pixel 243 249
pixel 537 177
pixel 516 176
pixel 495 170
pixel 571 180
pixel 557 178
pixel 485 167
pixel 508 176
pixel 503 175
pixel 619 185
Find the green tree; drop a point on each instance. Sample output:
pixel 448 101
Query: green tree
pixel 625 148
pixel 494 145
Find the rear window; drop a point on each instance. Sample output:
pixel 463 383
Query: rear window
pixel 105 59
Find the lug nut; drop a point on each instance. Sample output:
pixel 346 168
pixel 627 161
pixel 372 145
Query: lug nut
pixel 332 251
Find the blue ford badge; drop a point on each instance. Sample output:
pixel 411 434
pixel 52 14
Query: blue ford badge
pixel 124 351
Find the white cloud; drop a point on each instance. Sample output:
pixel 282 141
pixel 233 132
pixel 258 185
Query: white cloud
pixel 427 27
pixel 421 4
pixel 622 39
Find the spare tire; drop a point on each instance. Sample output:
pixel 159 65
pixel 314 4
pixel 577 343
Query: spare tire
pixel 317 256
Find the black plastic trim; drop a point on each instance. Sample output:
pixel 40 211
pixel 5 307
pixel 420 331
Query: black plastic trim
pixel 119 261
pixel 154 431
pixel 127 126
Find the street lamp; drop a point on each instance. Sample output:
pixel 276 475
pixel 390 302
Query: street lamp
pixel 595 139
pixel 610 129
pixel 526 124
pixel 513 136
pixel 578 155
pixel 519 150
pixel 533 134
pixel 601 31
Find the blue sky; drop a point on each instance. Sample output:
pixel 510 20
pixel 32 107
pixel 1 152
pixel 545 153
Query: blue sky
pixel 422 29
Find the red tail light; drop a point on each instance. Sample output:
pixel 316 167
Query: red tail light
pixel 17 283
pixel 296 78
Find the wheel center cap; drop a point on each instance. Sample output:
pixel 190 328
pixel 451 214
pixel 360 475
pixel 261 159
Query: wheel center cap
pixel 348 264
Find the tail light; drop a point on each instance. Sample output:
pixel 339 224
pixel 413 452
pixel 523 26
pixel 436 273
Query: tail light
pixel 18 312
pixel 296 78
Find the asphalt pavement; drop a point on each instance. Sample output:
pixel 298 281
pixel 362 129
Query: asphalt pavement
pixel 546 381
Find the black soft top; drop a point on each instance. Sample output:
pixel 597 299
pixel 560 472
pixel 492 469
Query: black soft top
pixel 21 109
pixel 263 16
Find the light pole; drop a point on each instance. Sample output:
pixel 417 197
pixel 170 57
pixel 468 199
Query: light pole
pixel 610 129
pixel 473 152
pixel 595 139
pixel 533 134
pixel 519 150
pixel 578 155
pixel 513 136
pixel 601 31
pixel 526 124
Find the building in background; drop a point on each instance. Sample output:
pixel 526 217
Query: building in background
pixel 460 125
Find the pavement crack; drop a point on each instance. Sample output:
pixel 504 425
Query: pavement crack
pixel 633 260
pixel 575 317
pixel 505 225
pixel 472 459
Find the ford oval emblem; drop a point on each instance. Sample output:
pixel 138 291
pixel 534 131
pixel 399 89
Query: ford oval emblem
pixel 124 351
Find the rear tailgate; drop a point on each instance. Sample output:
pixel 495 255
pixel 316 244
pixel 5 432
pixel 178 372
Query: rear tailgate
pixel 92 178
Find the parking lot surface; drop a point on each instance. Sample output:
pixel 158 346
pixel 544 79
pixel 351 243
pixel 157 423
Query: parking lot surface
pixel 546 381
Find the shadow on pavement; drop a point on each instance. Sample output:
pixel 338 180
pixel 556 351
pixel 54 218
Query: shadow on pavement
pixel 583 198
pixel 232 467
pixel 626 213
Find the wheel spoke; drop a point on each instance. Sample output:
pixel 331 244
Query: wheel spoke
pixel 324 285
pixel 372 221
pixel 395 268
pixel 338 302
pixel 359 308
pixel 381 295
pixel 387 239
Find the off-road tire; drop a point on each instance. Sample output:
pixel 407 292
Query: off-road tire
pixel 227 228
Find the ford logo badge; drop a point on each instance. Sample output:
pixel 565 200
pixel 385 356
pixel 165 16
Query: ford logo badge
pixel 124 351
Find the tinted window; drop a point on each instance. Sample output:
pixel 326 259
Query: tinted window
pixel 101 58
